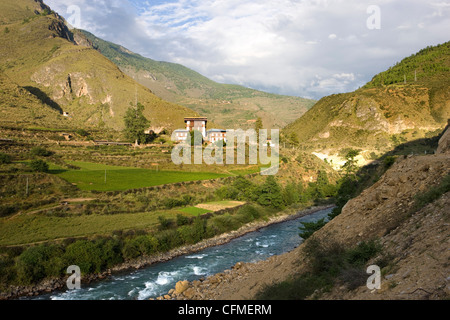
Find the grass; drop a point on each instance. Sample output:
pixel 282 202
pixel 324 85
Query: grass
pixel 25 229
pixel 194 211
pixel 28 229
pixel 92 176
pixel 213 206
pixel 434 193
pixel 243 172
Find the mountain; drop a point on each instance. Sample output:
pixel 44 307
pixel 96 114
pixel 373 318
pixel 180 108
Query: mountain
pixel 48 69
pixel 15 100
pixel 409 101
pixel 231 106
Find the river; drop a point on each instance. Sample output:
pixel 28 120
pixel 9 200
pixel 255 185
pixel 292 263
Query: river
pixel 158 279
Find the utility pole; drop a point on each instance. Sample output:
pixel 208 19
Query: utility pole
pixel 415 75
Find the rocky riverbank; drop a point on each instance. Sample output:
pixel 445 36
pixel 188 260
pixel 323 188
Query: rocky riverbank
pixel 56 284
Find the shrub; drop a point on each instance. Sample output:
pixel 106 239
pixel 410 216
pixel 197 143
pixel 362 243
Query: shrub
pixel 165 223
pixel 170 203
pixel 185 233
pixel 244 189
pixel 308 228
pixel 146 245
pixel 360 254
pixel 198 229
pixel 224 223
pixel 40 152
pixel 227 192
pixel 82 132
pixel 36 263
pixel 290 194
pixel 167 240
pixel 434 193
pixel 388 161
pixel 85 254
pixel 111 250
pixel 6 210
pixel 249 213
pixel 5 158
pixel 39 166
pixel 182 220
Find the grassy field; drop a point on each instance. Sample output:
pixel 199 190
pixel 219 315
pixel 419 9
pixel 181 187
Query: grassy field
pixel 24 229
pixel 33 228
pixel 194 211
pixel 92 176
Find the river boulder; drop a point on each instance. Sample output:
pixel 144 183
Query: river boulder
pixel 181 286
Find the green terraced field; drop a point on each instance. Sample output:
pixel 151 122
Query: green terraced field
pixel 92 176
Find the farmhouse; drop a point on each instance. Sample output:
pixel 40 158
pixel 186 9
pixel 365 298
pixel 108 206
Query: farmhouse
pixel 200 124
pixel 192 123
pixel 181 135
pixel 196 123
pixel 215 135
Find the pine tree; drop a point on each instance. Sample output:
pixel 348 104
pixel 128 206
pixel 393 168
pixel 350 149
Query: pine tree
pixel 270 193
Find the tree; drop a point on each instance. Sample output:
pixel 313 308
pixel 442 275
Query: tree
pixel 350 166
pixel 135 124
pixel 291 194
pixel 258 127
pixel 85 254
pixel 308 228
pixel 270 193
pixel 40 152
pixel 323 188
pixel 38 262
pixel 39 166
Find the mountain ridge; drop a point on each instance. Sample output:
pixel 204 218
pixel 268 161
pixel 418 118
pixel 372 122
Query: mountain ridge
pixel 229 105
pixel 379 116
pixel 40 53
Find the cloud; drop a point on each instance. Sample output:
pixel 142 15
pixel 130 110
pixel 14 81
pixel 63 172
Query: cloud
pixel 286 46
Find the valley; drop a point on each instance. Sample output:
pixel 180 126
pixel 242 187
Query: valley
pixel 87 178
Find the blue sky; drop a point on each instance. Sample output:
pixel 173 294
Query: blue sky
pixel 309 48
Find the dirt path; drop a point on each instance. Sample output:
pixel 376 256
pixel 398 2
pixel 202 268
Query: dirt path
pixel 220 206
